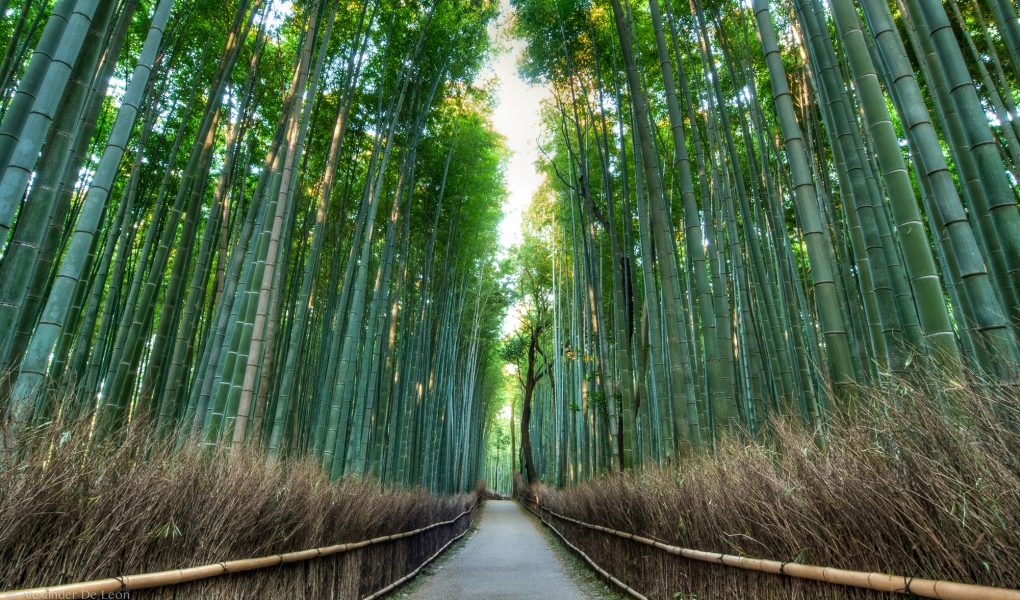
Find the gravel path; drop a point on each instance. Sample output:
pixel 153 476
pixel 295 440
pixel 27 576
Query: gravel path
pixel 506 559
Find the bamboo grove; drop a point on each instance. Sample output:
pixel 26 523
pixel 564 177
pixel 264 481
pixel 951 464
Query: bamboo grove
pixel 253 223
pixel 755 208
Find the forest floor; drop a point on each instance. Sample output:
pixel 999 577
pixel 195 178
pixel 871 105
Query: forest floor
pixel 508 558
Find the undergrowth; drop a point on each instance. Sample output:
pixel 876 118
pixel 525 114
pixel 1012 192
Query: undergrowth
pixel 900 486
pixel 71 511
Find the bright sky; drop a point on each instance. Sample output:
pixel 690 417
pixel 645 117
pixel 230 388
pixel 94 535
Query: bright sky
pixel 517 118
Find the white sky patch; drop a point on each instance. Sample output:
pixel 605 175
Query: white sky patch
pixel 516 117
pixel 279 10
pixel 512 318
pixel 116 89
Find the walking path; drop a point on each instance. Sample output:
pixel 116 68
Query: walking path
pixel 506 559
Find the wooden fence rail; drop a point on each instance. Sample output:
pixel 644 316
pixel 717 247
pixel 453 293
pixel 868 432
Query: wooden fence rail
pixel 124 583
pixel 879 582
pixel 612 578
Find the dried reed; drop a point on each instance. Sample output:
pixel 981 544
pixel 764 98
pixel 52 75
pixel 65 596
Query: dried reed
pixel 74 512
pixel 900 486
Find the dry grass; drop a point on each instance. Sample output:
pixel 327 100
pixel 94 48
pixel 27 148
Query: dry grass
pixel 898 488
pixel 71 513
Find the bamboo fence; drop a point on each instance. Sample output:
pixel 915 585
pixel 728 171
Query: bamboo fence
pixel 878 582
pixel 616 581
pixel 125 583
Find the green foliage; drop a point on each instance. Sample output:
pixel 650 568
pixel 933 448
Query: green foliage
pixel 364 183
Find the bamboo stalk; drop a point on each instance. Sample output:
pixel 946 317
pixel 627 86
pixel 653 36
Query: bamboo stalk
pixel 89 589
pixel 879 582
